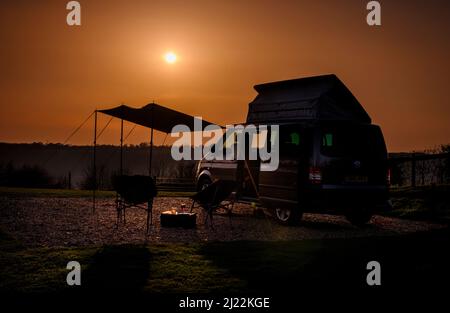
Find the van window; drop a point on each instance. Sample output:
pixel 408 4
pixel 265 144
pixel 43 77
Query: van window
pixel 295 138
pixel 327 140
pixel 292 141
pixel 353 141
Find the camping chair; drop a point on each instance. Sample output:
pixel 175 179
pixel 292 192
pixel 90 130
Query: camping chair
pixel 134 191
pixel 218 195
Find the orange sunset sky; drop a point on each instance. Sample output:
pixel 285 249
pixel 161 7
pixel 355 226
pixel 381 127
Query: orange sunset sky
pixel 54 75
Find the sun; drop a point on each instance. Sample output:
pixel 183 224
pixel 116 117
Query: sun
pixel 170 57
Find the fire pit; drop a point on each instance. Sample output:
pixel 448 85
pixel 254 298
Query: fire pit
pixel 173 218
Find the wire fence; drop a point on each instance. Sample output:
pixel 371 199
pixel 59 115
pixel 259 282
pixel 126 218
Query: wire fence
pixel 419 169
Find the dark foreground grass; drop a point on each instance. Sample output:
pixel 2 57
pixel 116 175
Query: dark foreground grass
pixel 415 261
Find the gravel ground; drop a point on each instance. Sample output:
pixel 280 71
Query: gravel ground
pixel 70 222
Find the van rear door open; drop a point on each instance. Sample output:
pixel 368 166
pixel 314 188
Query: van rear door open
pixel 282 185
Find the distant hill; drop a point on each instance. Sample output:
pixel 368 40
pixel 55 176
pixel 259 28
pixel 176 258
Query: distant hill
pixel 57 160
pixel 60 160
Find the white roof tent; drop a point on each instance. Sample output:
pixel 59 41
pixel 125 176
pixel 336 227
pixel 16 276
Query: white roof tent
pixel 305 99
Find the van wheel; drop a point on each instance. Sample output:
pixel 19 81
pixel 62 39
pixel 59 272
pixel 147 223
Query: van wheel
pixel 287 216
pixel 359 218
pixel 203 183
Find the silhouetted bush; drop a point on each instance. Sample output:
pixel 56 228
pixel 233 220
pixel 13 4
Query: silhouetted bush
pixel 25 176
pixel 446 170
pixel 102 182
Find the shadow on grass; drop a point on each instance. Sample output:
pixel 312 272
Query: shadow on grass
pixel 285 266
pixel 123 267
pixel 413 261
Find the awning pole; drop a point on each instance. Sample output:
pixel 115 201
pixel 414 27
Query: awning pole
pixel 94 165
pixel 151 146
pixel 151 154
pixel 121 147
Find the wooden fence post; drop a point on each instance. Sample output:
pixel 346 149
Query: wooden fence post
pixel 413 169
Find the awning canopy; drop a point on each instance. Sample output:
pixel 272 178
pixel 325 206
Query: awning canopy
pixel 154 116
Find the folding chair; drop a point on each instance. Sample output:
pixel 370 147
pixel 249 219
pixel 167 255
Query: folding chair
pixel 134 191
pixel 218 195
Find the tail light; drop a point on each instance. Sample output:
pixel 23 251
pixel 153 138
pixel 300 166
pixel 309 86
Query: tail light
pixel 388 177
pixel 315 175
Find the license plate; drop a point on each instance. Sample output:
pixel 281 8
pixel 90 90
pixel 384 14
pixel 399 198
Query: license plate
pixel 356 179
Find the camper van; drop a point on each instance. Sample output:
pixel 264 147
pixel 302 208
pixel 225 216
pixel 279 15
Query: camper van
pixel 332 159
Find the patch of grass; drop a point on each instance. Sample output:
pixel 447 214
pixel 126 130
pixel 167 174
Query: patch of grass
pixel 178 268
pixel 419 191
pixel 230 267
pixel 266 266
pixel 34 270
pixel 421 203
pixel 142 268
pixel 73 193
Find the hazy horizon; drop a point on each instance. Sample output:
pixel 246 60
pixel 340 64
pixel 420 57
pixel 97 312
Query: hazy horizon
pixel 434 149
